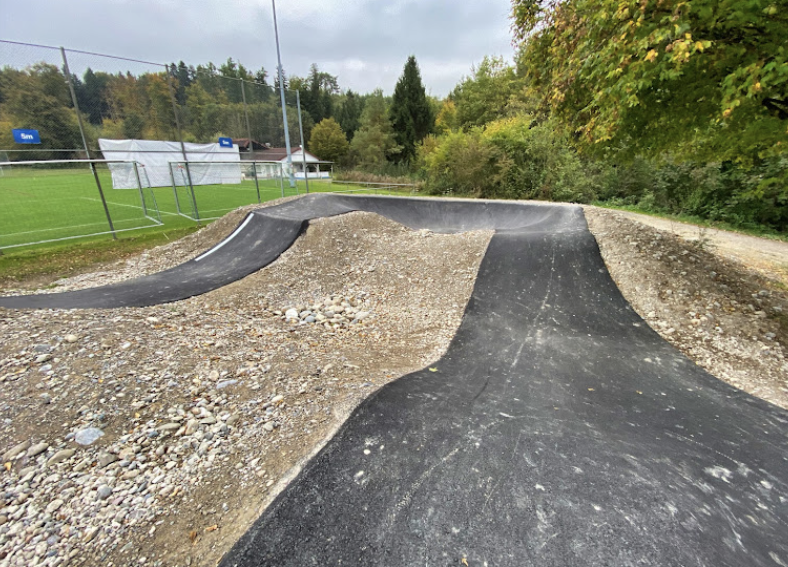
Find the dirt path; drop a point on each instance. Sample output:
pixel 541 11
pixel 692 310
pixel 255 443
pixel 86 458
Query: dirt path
pixel 768 257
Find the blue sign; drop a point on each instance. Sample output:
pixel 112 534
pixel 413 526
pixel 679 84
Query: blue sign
pixel 26 136
pixel 225 142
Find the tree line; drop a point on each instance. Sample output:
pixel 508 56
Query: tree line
pixel 211 101
pixel 664 105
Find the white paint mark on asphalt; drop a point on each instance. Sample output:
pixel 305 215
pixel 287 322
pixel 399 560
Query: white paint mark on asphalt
pixel 226 240
pixel 776 559
pixel 719 472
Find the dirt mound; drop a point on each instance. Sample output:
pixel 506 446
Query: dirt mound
pixel 726 317
pixel 208 405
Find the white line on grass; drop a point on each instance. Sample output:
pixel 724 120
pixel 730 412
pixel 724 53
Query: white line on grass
pixel 125 205
pixel 54 228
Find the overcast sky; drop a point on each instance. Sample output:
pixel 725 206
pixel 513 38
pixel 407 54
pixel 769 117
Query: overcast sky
pixel 364 42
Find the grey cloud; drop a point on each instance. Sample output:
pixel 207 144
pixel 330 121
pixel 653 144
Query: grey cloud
pixel 364 42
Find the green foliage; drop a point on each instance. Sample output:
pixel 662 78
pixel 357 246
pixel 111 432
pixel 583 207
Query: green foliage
pixel 463 163
pixel 513 158
pixel 317 91
pixel 704 79
pixel 446 119
pixel 38 98
pixel 410 112
pixel 133 126
pixel 349 115
pixel 374 143
pixel 488 94
pixel 328 141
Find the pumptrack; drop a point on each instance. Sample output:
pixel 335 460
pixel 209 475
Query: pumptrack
pixel 557 430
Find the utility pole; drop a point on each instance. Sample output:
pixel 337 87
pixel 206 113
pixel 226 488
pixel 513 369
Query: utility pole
pixel 282 96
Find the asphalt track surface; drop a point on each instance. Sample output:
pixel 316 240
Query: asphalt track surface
pixel 558 429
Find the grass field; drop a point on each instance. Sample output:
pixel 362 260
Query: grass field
pixel 40 205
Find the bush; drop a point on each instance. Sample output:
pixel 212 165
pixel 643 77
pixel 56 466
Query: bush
pixel 463 163
pixel 522 158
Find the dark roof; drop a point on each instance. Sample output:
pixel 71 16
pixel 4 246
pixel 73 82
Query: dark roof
pixel 243 144
pixel 273 154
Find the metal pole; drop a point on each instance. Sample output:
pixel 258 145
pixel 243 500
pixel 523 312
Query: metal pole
pixel 178 128
pixel 249 133
pixel 85 141
pixel 303 145
pixel 139 186
pixel 282 96
pixel 256 182
pixel 191 188
pixel 175 190
pixel 281 179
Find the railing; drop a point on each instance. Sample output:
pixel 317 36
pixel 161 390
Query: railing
pixel 206 190
pixel 375 187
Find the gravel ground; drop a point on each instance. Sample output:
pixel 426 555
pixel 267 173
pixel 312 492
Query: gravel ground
pixel 208 407
pixel 765 256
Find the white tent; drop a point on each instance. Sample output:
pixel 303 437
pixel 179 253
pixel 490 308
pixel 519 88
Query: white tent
pixel 155 156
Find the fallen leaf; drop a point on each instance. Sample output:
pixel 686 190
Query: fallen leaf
pixel 590 389
pixel 193 536
pixel 212 528
pixel 8 466
pixel 464 561
pixel 433 369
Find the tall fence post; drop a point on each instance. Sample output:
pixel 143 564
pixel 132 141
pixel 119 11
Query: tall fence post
pixel 175 191
pixel 249 134
pixel 303 146
pixel 180 135
pixel 85 140
pixel 256 183
pixel 139 186
pixel 191 190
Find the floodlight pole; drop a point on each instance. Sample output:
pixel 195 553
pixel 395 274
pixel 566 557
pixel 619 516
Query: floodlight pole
pixel 303 147
pixel 282 96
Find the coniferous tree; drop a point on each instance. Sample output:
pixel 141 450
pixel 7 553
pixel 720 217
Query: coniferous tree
pixel 349 116
pixel 411 113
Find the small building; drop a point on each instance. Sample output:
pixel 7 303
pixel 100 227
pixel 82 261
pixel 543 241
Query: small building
pixel 252 150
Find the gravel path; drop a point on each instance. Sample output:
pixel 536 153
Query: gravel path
pixel 769 257
pixel 133 436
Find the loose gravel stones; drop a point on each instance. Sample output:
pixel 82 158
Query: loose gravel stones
pixel 206 406
pixel 88 436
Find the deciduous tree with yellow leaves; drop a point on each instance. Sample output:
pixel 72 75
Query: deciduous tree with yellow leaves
pixel 704 79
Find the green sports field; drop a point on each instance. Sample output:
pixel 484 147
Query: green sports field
pixel 43 204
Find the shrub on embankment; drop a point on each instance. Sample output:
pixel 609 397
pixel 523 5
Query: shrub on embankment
pixel 522 157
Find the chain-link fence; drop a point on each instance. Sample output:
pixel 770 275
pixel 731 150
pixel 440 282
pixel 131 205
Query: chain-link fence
pixel 50 201
pixel 63 104
pixel 119 98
